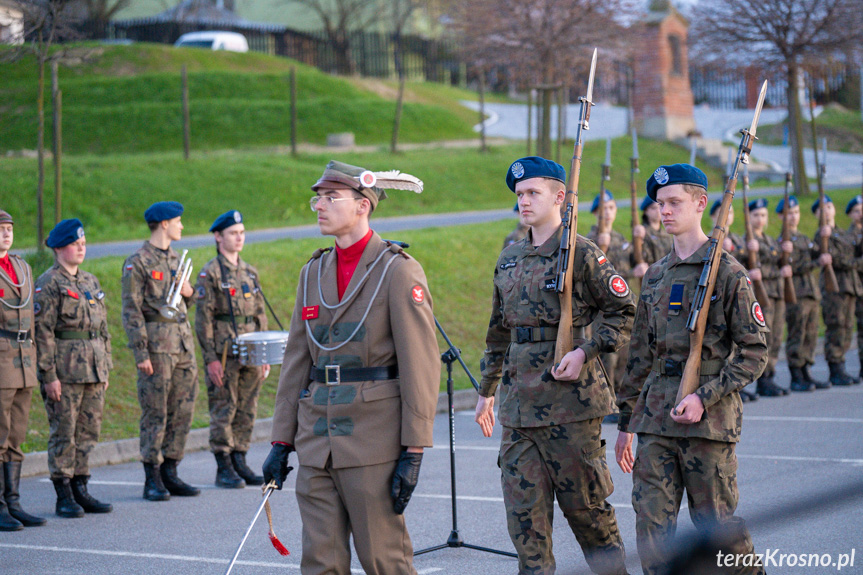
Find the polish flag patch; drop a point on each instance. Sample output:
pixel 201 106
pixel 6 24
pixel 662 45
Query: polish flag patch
pixel 157 275
pixel 38 290
pixel 418 294
pixel 309 312
pixel 129 267
pixel 601 259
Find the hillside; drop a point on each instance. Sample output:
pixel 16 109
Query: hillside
pixel 127 99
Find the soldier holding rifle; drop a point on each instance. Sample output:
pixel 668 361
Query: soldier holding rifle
pixel 155 296
pixel 657 241
pixel 854 210
pixel 688 444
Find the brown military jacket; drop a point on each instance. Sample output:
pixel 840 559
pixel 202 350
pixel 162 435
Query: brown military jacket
pixel 619 251
pixel 17 360
pixel 734 352
pixel 147 276
pixel 524 296
pixel 68 305
pixel 387 320
pixel 842 247
pixel 804 261
pixel 657 243
pixel 769 258
pixel 213 316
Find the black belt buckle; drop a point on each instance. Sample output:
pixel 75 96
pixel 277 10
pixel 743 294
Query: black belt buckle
pixel 333 374
pixel 673 367
pixel 22 336
pixel 522 335
pixel 93 334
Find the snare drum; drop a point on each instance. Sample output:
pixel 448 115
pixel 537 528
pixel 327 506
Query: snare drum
pixel 261 347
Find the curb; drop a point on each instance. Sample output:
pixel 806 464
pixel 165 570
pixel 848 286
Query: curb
pixel 126 450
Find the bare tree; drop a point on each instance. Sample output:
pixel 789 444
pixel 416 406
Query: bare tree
pixel 98 14
pixel 339 19
pixel 778 32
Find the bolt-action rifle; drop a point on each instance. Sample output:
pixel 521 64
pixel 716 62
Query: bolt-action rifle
pixel 830 283
pixel 637 243
pixel 752 256
pixel 790 294
pixel 602 223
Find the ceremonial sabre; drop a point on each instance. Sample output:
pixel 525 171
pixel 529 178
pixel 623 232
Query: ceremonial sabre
pixel 268 490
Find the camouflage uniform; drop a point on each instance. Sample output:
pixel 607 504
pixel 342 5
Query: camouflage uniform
pixel 167 397
pixel 657 243
pixel 769 258
pixel 515 235
pixel 802 317
pixel 551 445
pixel 620 255
pixel 838 308
pixel 857 233
pixel 699 457
pixel 234 405
pixel 73 347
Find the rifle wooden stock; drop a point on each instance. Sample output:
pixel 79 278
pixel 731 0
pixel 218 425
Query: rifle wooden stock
pixel 752 257
pixel 602 226
pixel 790 293
pixel 637 243
pixel 564 343
pixel 830 283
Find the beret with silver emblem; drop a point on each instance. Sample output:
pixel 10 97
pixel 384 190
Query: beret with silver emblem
pixel 65 233
pixel 817 203
pixel 595 204
pixel 338 176
pixel 853 202
pixel 758 203
pixel 792 202
pixel 226 220
pixel 533 167
pixel 161 211
pixel 675 174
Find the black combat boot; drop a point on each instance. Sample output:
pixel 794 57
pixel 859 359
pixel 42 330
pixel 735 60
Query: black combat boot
pixel 11 478
pixel 7 522
pixel 66 506
pixel 766 387
pixel 238 458
pixel 807 378
pixel 838 375
pixel 225 475
pixel 89 503
pixel 748 396
pixel 154 489
pixel 797 383
pixel 173 482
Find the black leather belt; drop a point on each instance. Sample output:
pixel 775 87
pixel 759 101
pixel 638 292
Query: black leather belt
pixel 532 334
pixel 240 318
pixel 336 374
pixel 20 336
pixel 675 368
pixel 77 334
pixel 159 318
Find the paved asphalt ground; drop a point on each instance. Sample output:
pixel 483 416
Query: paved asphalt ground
pixel 794 448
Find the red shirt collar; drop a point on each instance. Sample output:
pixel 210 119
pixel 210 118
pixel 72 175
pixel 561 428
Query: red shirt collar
pixel 6 265
pixel 347 260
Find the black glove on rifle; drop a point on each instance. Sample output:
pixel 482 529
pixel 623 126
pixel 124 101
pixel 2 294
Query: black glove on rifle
pixel 405 479
pixel 276 465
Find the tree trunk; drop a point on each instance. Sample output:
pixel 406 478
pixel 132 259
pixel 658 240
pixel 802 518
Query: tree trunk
pixel 795 130
pixel 40 148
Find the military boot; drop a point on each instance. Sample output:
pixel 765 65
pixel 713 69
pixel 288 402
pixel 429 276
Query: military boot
pixel 807 378
pixel 89 503
pixel 66 506
pixel 746 395
pixel 7 522
pixel 225 475
pixel 173 482
pixel 767 388
pixel 797 383
pixel 838 375
pixel 238 458
pixel 11 477
pixel 154 489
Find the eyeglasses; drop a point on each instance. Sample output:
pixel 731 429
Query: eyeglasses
pixel 330 200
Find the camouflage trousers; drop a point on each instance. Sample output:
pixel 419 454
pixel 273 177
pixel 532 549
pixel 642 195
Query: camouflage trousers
pixel 707 470
pixel 775 318
pixel 14 415
pixel 802 319
pixel 858 311
pixel 838 313
pixel 567 462
pixel 74 423
pixel 167 401
pixel 233 407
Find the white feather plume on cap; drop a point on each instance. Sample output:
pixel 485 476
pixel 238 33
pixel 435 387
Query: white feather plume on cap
pixel 396 180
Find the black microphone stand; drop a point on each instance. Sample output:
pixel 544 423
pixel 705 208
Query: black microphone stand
pixel 450 356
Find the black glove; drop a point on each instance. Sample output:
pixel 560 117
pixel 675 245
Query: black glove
pixel 276 465
pixel 405 479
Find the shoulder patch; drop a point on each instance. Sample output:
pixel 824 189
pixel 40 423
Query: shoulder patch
pixel 418 294
pixel 618 286
pixel 202 292
pixel 37 307
pixel 758 314
pixel 601 258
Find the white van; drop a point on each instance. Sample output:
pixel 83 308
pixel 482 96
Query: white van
pixel 213 40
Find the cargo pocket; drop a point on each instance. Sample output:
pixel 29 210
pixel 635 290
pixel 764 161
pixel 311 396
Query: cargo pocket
pixel 597 484
pixel 727 494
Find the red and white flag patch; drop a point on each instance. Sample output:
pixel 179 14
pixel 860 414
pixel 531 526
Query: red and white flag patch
pixel 601 259
pixel 418 294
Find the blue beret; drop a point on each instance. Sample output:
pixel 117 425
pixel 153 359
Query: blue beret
pixel 515 207
pixel 534 167
pixel 646 203
pixel 792 201
pixel 854 201
pixel 595 204
pixel 818 202
pixel 715 207
pixel 675 174
pixel 161 211
pixel 65 233
pixel 226 220
pixel 758 204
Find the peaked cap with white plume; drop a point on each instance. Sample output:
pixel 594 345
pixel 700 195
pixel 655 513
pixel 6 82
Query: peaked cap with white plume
pixel 338 175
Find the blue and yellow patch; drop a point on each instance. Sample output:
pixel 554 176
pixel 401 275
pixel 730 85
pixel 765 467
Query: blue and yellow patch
pixel 675 301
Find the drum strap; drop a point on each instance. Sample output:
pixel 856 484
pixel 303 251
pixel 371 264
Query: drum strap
pixel 226 289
